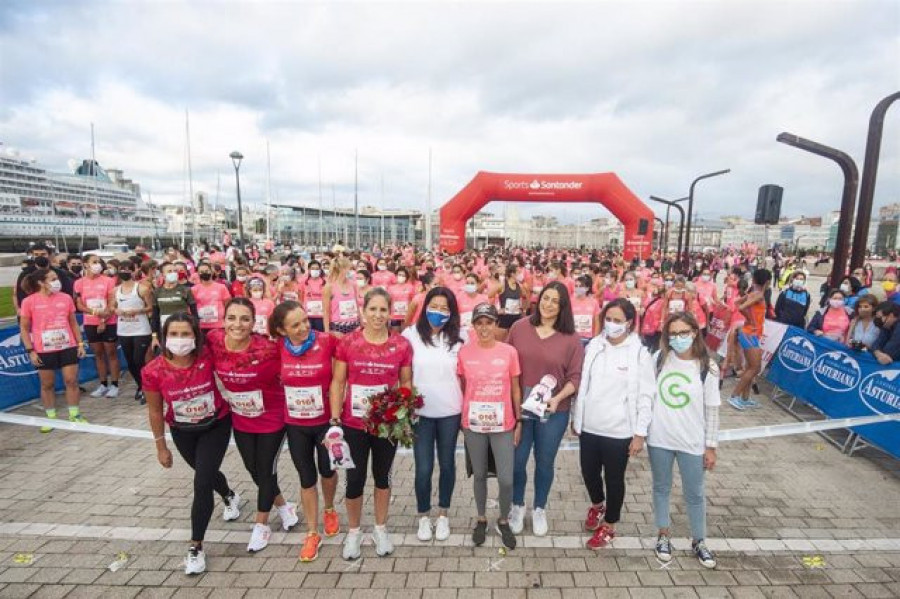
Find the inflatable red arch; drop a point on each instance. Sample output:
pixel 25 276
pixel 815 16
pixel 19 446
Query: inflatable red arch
pixel 603 188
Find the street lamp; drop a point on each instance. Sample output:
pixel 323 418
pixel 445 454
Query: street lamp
pixel 236 158
pixel 690 214
pixel 673 204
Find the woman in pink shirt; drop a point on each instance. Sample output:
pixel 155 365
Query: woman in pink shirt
pixel 181 392
pixel 341 311
pixel 585 311
pixel 210 297
pixel 262 306
pixel 94 294
pixel 367 362
pixel 467 298
pixel 288 289
pixel 306 368
pixel 832 321
pixel 488 373
pixel 427 281
pixel 248 374
pixel 312 292
pixel 402 293
pixel 52 339
pixel 383 277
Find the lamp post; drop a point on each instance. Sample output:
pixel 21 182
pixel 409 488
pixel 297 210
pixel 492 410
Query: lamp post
pixel 690 214
pixel 236 158
pixel 673 204
pixel 662 230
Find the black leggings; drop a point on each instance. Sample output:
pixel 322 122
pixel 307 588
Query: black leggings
pixel 605 455
pixel 307 451
pixel 383 451
pixel 204 451
pixel 260 451
pixel 135 350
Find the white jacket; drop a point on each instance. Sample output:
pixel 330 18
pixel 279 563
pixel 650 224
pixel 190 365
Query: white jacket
pixel 641 384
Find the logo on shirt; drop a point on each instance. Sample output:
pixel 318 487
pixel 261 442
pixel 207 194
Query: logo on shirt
pixel 670 391
pixel 880 391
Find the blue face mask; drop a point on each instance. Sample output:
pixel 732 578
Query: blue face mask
pixel 299 350
pixel 680 345
pixel 436 319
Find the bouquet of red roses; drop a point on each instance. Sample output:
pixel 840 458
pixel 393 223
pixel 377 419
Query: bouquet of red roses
pixel 392 414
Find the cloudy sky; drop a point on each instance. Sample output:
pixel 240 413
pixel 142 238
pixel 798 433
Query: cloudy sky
pixel 658 92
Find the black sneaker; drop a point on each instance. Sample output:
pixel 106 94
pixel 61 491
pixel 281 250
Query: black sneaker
pixel 479 535
pixel 704 555
pixel 506 535
pixel 663 548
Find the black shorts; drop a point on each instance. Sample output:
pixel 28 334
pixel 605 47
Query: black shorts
pixel 397 323
pixel 507 320
pixel 56 360
pixel 107 336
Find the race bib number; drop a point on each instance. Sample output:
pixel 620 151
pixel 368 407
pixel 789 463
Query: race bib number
pixel 314 308
pixel 248 404
pixel 289 296
pixel 260 325
pixel 513 306
pixel 96 304
pixel 401 308
pixel 359 398
pixel 208 313
pixel 676 305
pixel 55 340
pixel 304 403
pixel 486 417
pixel 583 323
pixel 125 318
pixel 196 409
pixel 347 309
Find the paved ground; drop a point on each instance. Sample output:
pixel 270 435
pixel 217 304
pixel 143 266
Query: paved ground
pixel 789 517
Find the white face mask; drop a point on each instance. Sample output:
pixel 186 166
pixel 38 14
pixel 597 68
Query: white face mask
pixel 314 273
pixel 629 283
pixel 457 276
pixel 401 279
pixel 580 291
pixel 705 278
pixel 360 283
pixel 55 286
pixel 256 294
pixel 614 330
pixel 845 288
pixel 382 267
pixel 96 268
pixel 180 346
pixel 836 303
pixel 798 284
pixel 470 288
pixel 171 277
pixel 242 278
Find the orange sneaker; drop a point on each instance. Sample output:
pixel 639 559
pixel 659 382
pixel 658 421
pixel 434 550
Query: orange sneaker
pixel 310 549
pixel 332 522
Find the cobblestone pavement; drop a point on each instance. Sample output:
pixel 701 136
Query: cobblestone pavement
pixel 788 517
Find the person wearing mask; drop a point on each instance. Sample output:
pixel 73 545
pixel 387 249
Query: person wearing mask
pixel 585 310
pixel 852 289
pixel 369 361
pixel 414 312
pixel 248 368
pixel 548 346
pixel 793 303
pixel 341 309
pixel 467 298
pixel 132 303
pixel 382 277
pixel 651 321
pixel 181 392
pixel 436 340
pixel 832 321
pixel 210 297
pixel 707 295
pixel 863 333
pixel 684 427
pixel 92 298
pixel 886 348
pixel 612 415
pixel 489 373
pixel 306 367
pixel 169 298
pixel 262 306
pixel 287 290
pixel 75 266
pixel 312 292
pixel 238 286
pixel 52 340
pixel 363 284
pixel 512 300
pixel 40 254
pixel 753 308
pixel 402 293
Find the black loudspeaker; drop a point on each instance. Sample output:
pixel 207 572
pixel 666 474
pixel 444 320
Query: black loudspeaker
pixel 643 225
pixel 768 205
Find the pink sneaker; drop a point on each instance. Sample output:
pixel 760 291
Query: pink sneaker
pixel 601 538
pixel 594 517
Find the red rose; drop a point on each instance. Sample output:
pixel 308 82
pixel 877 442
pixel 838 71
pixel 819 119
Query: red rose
pixel 404 392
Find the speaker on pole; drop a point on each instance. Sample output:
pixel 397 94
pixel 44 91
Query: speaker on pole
pixel 643 225
pixel 768 205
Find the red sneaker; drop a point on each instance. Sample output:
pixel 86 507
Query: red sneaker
pixel 602 537
pixel 594 517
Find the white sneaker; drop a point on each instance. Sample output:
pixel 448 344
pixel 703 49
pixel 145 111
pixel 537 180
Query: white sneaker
pixel 232 510
pixel 100 391
pixel 539 522
pixel 112 392
pixel 195 563
pixel 352 542
pixel 442 530
pixel 517 518
pixel 383 544
pixel 424 533
pixel 288 515
pixel 259 538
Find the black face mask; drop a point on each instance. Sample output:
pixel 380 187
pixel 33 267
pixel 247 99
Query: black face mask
pixel 124 275
pixel 42 262
pixel 879 322
pixel 205 276
pixel 76 268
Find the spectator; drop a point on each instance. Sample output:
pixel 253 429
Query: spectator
pixel 863 333
pixel 793 303
pixel 887 348
pixel 833 320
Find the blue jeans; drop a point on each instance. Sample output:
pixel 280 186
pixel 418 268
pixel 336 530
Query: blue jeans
pixel 690 466
pixel 440 433
pixel 545 437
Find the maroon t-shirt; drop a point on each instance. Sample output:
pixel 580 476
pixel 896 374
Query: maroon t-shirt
pixel 560 355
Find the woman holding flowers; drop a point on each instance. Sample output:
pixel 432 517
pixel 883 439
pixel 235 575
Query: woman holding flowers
pixel 368 362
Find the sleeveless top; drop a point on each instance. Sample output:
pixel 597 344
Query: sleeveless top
pixel 511 300
pixel 132 326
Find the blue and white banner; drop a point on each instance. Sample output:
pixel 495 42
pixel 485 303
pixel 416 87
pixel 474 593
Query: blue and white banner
pixel 841 382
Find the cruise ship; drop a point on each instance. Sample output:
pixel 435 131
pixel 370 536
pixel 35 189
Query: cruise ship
pixel 77 211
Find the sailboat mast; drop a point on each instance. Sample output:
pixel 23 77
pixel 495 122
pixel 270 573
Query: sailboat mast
pixel 321 224
pixel 187 132
pixel 215 217
pixel 94 199
pixel 268 191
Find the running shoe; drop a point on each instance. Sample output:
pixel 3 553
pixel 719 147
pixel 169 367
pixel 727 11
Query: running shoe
pixel 517 518
pixel 100 391
pixel 506 535
pixel 259 538
pixel 602 537
pixel 442 528
pixel 539 524
pixel 594 517
pixel 112 392
pixel 663 548
pixel 704 555
pixel 195 563
pixel 737 403
pixel 232 509
pixel 310 549
pixel 425 533
pixel 479 534
pixel 78 418
pixel 332 522
pixel 288 515
pixel 383 544
pixel 47 428
pixel 352 542
pixel 751 403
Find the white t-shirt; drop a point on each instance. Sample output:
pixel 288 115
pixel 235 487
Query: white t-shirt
pixel 679 421
pixel 606 410
pixel 434 375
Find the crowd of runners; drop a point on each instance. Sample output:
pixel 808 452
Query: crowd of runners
pixel 270 348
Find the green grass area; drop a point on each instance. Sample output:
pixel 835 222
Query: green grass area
pixel 7 309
